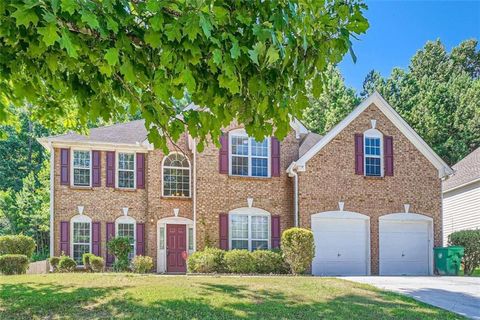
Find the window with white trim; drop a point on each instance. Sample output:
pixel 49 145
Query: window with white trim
pixel 126 170
pixel 249 231
pixel 81 237
pixel 190 238
pixel 176 176
pixel 81 164
pixel 125 227
pixel 373 152
pixel 248 157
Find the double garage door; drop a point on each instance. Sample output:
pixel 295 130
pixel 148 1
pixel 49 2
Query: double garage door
pixel 342 244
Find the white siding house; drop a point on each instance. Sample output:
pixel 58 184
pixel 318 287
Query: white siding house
pixel 461 196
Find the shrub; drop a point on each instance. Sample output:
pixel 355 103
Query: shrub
pixel 239 261
pixel 142 264
pixel 470 241
pixel 66 264
pixel 13 264
pixel 86 258
pixel 120 247
pixel 97 264
pixel 54 263
pixel 17 244
pixel 268 262
pixel 209 260
pixel 298 249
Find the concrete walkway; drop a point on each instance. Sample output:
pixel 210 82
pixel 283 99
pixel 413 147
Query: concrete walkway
pixel 457 294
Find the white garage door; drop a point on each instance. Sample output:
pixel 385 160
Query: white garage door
pixel 341 243
pixel 404 246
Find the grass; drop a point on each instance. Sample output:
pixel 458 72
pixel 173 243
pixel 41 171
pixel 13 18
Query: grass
pixel 105 296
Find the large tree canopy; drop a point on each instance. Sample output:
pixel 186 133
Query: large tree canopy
pixel 247 60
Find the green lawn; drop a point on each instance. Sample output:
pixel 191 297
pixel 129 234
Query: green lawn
pixel 103 296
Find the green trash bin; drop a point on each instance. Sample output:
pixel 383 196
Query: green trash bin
pixel 448 260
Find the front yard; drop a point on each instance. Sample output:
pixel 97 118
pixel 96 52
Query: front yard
pixel 94 296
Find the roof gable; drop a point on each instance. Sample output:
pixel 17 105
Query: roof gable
pixel 395 118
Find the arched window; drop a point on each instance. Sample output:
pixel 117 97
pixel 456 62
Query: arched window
pixel 176 175
pixel 81 236
pixel 125 227
pixel 373 151
pixel 249 229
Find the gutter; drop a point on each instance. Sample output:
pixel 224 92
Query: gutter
pixel 52 196
pixel 194 194
pixel 291 170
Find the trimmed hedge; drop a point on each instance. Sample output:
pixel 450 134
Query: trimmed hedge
pixel 13 264
pixel 298 249
pixel 470 241
pixel 17 244
pixel 142 264
pixel 54 263
pixel 120 247
pixel 97 264
pixel 208 261
pixel 265 261
pixel 86 258
pixel 239 261
pixel 66 264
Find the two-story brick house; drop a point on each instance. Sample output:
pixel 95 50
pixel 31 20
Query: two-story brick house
pixel 370 190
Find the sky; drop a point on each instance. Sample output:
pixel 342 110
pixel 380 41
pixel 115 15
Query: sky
pixel 400 28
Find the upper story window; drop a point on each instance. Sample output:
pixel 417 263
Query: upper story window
pixel 373 153
pixel 81 163
pixel 248 157
pixel 125 227
pixel 81 236
pixel 126 170
pixel 249 230
pixel 176 175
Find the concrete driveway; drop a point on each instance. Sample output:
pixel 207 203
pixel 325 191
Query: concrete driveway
pixel 457 294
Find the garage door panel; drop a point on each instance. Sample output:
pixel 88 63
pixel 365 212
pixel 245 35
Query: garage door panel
pixel 329 268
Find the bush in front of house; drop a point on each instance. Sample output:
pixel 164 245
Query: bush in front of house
pixel 142 264
pixel 470 241
pixel 97 264
pixel 266 261
pixel 17 244
pixel 54 263
pixel 298 249
pixel 66 264
pixel 239 261
pixel 86 258
pixel 210 260
pixel 13 264
pixel 120 247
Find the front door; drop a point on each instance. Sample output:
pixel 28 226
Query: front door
pixel 176 247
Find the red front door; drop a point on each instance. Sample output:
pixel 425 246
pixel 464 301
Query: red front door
pixel 176 246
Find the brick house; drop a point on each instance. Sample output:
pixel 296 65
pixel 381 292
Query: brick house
pixel 370 190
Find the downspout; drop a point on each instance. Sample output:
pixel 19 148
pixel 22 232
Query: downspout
pixel 52 196
pixel 292 173
pixel 194 194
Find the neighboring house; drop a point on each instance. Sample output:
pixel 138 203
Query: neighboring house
pixel 370 190
pixel 461 196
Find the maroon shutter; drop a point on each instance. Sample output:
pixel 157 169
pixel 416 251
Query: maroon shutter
pixel 110 169
pixel 96 238
pixel 223 155
pixel 64 166
pixel 359 153
pixel 223 231
pixel 388 155
pixel 110 235
pixel 275 232
pixel 96 167
pixel 140 171
pixel 65 237
pixel 275 154
pixel 140 246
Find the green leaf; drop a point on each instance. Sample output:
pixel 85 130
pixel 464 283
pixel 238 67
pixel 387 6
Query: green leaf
pixel 69 6
pixel 111 56
pixel 173 32
pixel 156 22
pixel 66 43
pixel 217 56
pixel 128 72
pixel 106 69
pixel 317 86
pixel 112 24
pixel 272 55
pixel 24 16
pixel 231 84
pixel 90 19
pixel 235 50
pixel 189 80
pixel 154 39
pixel 206 26
pixel 191 28
pixel 153 5
pixel 257 51
pixel 49 34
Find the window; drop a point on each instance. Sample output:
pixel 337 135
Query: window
pixel 176 176
pixel 373 153
pixel 126 170
pixel 161 244
pixel 249 157
pixel 125 227
pixel 249 231
pixel 190 238
pixel 81 237
pixel 81 168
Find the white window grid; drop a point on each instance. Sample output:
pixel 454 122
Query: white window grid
pixel 126 170
pixel 176 176
pixel 369 153
pixel 81 240
pixel 250 157
pixel 81 168
pixel 254 229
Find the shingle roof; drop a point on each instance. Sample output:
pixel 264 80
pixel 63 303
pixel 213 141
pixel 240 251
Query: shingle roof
pixel 123 133
pixel 308 142
pixel 466 170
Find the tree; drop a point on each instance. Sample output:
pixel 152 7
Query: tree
pixel 247 60
pixel 333 104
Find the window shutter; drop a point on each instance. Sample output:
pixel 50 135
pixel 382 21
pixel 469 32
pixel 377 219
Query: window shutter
pixel 275 232
pixel 223 231
pixel 140 171
pixel 223 156
pixel 140 245
pixel 65 237
pixel 110 169
pixel 275 154
pixel 65 166
pixel 96 238
pixel 388 155
pixel 110 235
pixel 359 153
pixel 96 167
